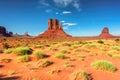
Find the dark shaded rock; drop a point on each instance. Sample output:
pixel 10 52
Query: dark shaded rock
pixel 4 32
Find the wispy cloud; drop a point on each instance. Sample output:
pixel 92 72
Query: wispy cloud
pixel 69 24
pixel 61 5
pixel 44 3
pixel 66 25
pixel 64 3
pixel 66 12
pixel 76 4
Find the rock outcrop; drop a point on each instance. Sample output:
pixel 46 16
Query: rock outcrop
pixel 105 33
pixel 4 32
pixel 54 30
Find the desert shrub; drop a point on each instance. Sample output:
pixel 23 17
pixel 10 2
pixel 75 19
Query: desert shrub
pixel 63 51
pixel 66 44
pixel 60 55
pixel 7 51
pixel 103 65
pixel 77 50
pixel 54 48
pixel 111 53
pixel 116 48
pixel 22 50
pixel 117 40
pixel 39 46
pixel 80 75
pixel 100 41
pixel 24 58
pixel 81 57
pixel 45 63
pixel 116 56
pixel 5 46
pixel 67 64
pixel 88 46
pixel 39 54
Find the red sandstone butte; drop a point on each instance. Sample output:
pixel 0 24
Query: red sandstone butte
pixel 54 30
pixel 105 33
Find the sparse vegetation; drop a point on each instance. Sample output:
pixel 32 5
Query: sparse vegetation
pixel 24 58
pixel 5 46
pixel 103 65
pixel 60 55
pixel 22 50
pixel 39 54
pixel 80 75
pixel 100 41
pixel 7 51
pixel 67 64
pixel 63 51
pixel 45 63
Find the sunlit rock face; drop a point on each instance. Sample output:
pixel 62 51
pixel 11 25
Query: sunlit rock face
pixel 105 33
pixel 54 30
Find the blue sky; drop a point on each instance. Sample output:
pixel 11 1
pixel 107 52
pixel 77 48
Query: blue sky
pixel 79 17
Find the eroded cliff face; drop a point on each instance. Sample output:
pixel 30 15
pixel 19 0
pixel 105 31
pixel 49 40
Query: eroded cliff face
pixel 54 30
pixel 105 33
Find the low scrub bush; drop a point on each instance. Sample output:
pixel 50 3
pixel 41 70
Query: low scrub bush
pixel 103 65
pixel 80 75
pixel 39 54
pixel 7 51
pixel 45 63
pixel 60 55
pixel 24 58
pixel 63 51
pixel 22 50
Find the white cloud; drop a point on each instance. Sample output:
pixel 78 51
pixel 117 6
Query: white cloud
pixel 69 24
pixel 62 21
pixel 66 25
pixel 76 4
pixel 66 12
pixel 43 2
pixel 64 3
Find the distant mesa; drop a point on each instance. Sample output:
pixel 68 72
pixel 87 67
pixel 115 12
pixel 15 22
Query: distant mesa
pixel 24 35
pixel 4 32
pixel 54 30
pixel 105 33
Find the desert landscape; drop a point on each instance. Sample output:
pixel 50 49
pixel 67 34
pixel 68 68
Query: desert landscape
pixel 59 40
pixel 55 55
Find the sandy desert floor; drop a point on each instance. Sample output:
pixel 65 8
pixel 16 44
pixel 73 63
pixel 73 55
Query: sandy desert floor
pixel 59 60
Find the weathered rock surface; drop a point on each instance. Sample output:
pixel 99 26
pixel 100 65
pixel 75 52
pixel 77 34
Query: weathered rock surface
pixel 105 33
pixel 4 32
pixel 54 30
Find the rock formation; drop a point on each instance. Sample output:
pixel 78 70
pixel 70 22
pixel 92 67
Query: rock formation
pixel 105 33
pixel 54 30
pixel 26 34
pixel 4 32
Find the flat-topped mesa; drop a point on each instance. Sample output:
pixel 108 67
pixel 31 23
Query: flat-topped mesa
pixel 55 30
pixel 105 33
